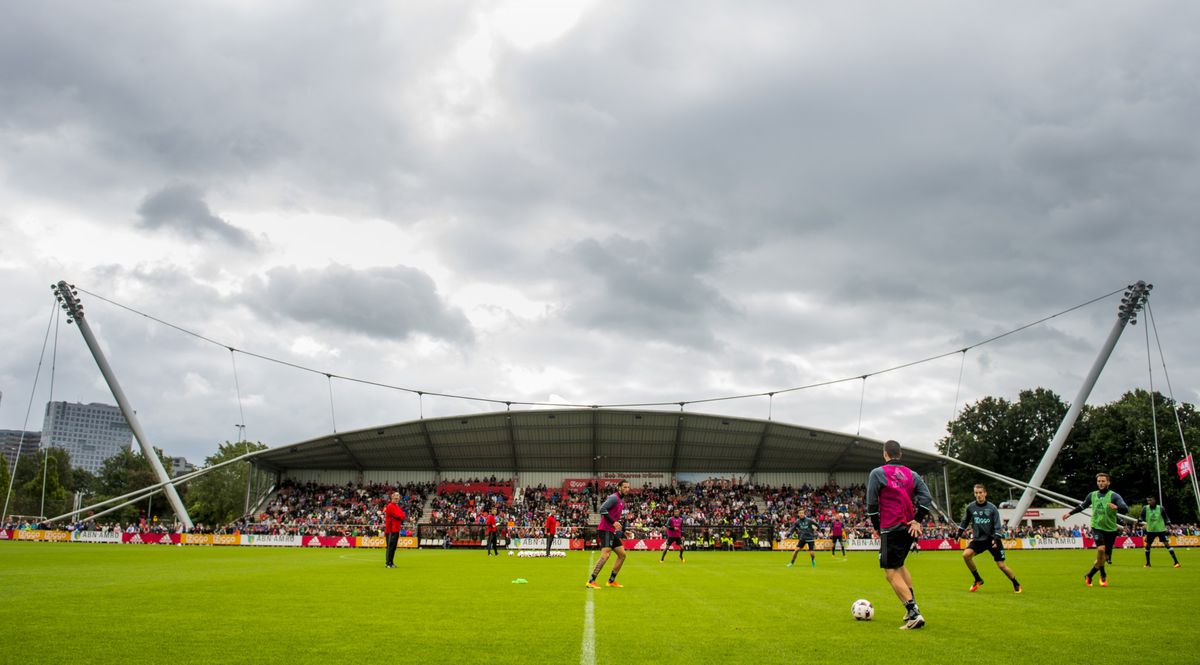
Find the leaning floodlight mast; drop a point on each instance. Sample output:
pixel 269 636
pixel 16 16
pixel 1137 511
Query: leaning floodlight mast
pixel 68 297
pixel 1132 303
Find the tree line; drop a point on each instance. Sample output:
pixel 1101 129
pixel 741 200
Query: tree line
pixel 1010 437
pixel 214 499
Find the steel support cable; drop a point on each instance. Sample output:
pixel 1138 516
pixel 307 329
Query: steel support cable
pixel 1175 407
pixel 497 401
pixel 142 493
pixel 21 440
pixel 1153 417
pixel 862 396
pixel 1056 497
pixel 954 416
pixel 332 412
pixel 46 452
pixel 237 386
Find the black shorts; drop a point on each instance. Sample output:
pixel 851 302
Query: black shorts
pixel 994 546
pixel 611 539
pixel 1161 535
pixel 1106 538
pixel 674 540
pixel 811 544
pixel 835 539
pixel 893 548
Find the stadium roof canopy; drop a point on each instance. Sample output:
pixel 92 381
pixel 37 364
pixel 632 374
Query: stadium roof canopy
pixel 602 440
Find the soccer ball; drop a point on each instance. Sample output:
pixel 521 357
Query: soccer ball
pixel 862 610
pixel 510 552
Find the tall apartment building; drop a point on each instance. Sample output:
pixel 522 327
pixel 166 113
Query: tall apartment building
pixel 90 432
pixel 11 439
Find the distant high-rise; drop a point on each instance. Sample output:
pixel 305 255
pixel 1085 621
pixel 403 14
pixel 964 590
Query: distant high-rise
pixel 90 432
pixel 180 466
pixel 12 439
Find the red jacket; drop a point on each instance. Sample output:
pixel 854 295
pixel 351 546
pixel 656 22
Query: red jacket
pixel 393 514
pixel 491 523
pixel 551 525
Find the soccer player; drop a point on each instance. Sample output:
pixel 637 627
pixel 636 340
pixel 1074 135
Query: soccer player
pixel 393 515
pixel 897 501
pixel 804 529
pixel 551 529
pixel 1155 518
pixel 1105 505
pixel 837 534
pixel 492 537
pixel 983 519
pixel 674 536
pixel 611 535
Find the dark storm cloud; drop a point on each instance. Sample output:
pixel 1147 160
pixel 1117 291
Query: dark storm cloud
pixel 386 303
pixel 181 208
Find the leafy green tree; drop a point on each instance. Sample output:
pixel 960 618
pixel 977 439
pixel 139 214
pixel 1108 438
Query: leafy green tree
pixel 1118 438
pixel 83 481
pixel 23 503
pixel 128 471
pixel 1002 436
pixel 60 458
pixel 1011 437
pixel 4 477
pixel 219 496
pixel 56 498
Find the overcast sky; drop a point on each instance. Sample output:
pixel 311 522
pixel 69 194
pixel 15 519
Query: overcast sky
pixel 592 202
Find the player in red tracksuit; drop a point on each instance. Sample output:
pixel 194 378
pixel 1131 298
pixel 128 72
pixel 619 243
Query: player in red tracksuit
pixel 492 537
pixel 551 529
pixel 393 515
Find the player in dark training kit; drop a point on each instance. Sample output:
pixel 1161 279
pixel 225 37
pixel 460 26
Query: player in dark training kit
pixel 611 536
pixel 983 519
pixel 805 530
pixel 1105 505
pixel 674 536
pixel 897 501
pixel 1155 518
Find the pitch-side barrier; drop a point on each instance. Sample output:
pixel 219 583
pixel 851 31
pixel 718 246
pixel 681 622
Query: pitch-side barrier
pixel 528 543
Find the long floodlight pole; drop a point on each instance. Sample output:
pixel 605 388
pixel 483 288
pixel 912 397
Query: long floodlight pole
pixel 1131 304
pixel 68 297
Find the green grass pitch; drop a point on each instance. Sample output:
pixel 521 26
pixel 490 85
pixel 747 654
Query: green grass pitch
pixel 82 603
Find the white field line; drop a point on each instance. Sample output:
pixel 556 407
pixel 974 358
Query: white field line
pixel 587 653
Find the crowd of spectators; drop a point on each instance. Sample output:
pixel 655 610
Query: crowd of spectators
pixel 717 514
pixel 314 509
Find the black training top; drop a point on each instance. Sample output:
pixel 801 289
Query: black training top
pixel 984 520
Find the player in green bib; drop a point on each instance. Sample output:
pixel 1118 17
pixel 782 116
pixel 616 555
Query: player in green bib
pixel 1105 505
pixel 1155 518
